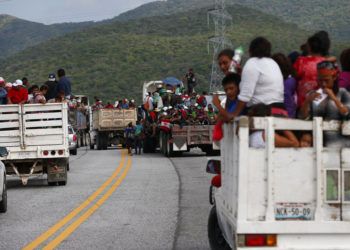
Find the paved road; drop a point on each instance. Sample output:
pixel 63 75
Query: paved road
pixel 150 202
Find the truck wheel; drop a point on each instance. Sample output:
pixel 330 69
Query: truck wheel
pixel 216 239
pixel 62 183
pixel 104 141
pixel 73 152
pixel 68 167
pixel 53 183
pixel 170 151
pixel 3 203
pixel 99 141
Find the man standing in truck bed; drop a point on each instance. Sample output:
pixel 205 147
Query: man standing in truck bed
pixel 64 83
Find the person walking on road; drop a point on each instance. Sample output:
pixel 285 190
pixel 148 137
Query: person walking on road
pixel 64 83
pixel 129 136
pixel 138 137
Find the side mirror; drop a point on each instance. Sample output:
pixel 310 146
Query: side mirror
pixel 214 167
pixel 3 152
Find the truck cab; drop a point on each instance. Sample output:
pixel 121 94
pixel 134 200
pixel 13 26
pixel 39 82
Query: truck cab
pixel 282 198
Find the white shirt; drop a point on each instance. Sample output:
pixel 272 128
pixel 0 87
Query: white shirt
pixel 262 82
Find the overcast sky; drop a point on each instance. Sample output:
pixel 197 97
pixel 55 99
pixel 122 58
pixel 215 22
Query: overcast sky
pixel 58 11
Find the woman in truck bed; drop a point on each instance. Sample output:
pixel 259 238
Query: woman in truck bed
pixel 328 101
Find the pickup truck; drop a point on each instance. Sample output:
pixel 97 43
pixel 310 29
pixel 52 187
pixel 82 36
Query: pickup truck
pixel 281 198
pixel 36 137
pixel 108 126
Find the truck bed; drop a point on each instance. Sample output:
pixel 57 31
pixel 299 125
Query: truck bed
pixel 113 119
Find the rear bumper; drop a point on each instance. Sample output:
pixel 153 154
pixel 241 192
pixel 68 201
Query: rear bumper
pixel 308 242
pixel 34 153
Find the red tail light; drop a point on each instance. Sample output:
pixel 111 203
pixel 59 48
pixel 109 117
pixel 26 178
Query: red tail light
pixel 45 153
pixel 255 240
pixel 60 152
pixel 260 240
pixel 75 138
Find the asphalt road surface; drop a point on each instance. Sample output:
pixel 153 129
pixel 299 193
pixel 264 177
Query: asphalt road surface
pixel 112 201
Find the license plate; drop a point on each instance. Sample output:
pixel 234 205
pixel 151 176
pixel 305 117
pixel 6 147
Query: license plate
pixel 294 211
pixel 24 154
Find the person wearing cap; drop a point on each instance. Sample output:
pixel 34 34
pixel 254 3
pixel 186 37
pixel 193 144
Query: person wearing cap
pixel 64 83
pixel 52 85
pixel 3 92
pixel 18 94
pixel 8 86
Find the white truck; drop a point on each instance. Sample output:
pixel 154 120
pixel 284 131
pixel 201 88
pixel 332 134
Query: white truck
pixel 36 137
pixel 281 198
pixel 107 126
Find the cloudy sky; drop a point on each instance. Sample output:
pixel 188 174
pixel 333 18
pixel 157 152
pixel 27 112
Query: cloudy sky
pixel 58 11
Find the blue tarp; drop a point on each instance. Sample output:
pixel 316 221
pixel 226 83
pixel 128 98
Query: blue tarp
pixel 172 81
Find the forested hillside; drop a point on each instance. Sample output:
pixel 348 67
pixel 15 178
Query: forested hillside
pixel 17 34
pixel 113 60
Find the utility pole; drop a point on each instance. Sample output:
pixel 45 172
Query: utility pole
pixel 221 19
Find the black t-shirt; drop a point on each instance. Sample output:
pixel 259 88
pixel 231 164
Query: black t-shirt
pixel 190 79
pixel 52 91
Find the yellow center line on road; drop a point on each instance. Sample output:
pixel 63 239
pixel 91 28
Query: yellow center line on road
pixel 75 225
pixel 52 230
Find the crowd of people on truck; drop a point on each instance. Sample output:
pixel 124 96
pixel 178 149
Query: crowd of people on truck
pixel 299 86
pixel 22 92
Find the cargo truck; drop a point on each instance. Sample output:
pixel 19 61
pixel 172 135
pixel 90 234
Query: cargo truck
pixel 36 138
pixel 108 126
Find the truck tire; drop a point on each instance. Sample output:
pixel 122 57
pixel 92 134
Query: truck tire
pixel 62 183
pixel 169 147
pixel 216 239
pixel 99 141
pixel 73 151
pixel 104 141
pixel 3 203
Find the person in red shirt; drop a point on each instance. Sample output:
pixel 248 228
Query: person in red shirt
pixel 306 66
pixel 18 94
pixel 109 106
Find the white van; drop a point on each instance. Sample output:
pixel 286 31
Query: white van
pixel 281 198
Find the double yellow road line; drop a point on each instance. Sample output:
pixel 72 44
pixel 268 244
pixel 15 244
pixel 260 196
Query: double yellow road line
pixel 124 166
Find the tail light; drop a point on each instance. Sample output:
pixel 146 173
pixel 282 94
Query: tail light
pixel 60 152
pixel 75 138
pixel 257 240
pixel 45 153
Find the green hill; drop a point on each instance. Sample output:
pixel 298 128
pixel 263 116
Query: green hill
pixel 17 34
pixel 331 15
pixel 113 60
